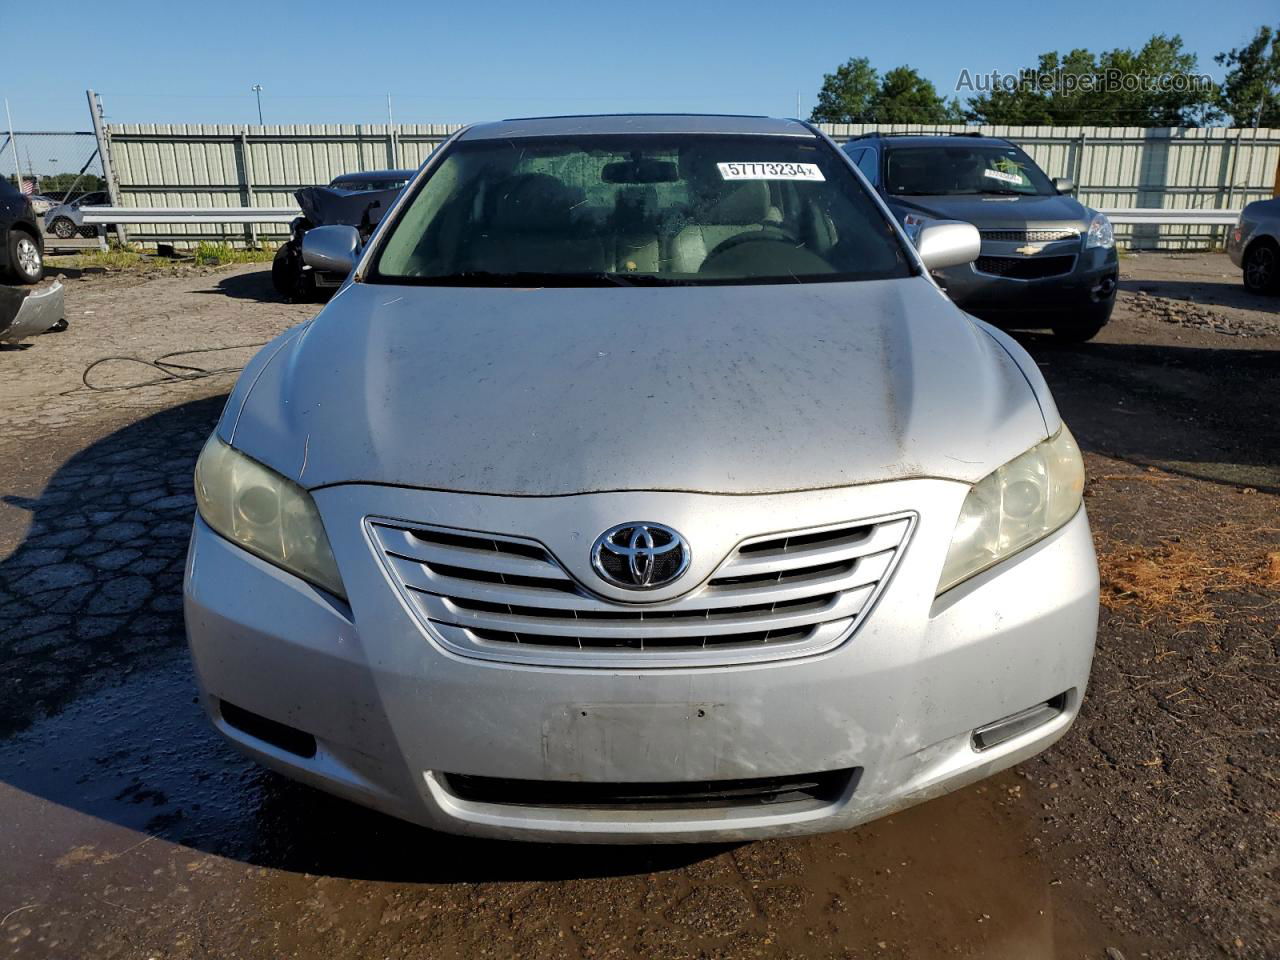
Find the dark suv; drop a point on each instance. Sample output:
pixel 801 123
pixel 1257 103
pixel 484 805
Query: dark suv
pixel 21 246
pixel 1046 260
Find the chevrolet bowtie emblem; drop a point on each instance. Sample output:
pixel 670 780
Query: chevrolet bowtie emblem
pixel 1029 249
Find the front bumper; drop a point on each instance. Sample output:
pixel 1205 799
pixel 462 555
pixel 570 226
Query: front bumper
pixel 394 713
pixel 1091 284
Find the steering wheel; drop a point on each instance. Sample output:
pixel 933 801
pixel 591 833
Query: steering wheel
pixel 768 233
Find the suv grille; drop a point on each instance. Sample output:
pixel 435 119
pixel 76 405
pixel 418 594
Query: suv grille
pixel 775 596
pixel 1031 236
pixel 1029 268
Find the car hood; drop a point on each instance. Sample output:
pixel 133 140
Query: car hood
pixel 718 389
pixel 999 211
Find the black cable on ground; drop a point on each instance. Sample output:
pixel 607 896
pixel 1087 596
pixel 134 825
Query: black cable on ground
pixel 170 371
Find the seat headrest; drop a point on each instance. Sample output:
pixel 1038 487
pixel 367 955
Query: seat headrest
pixel 746 202
pixel 535 201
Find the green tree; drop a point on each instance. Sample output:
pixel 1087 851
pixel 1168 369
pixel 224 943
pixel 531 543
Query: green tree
pixel 1250 93
pixel 1157 86
pixel 847 95
pixel 856 93
pixel 906 97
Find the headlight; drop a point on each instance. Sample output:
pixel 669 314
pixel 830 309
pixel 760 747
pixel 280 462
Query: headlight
pixel 1020 503
pixel 1100 233
pixel 265 513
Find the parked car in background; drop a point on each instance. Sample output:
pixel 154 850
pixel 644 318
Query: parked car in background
pixel 21 245
pixel 355 199
pixel 1254 245
pixel 640 485
pixel 66 220
pixel 1046 260
pixel 42 204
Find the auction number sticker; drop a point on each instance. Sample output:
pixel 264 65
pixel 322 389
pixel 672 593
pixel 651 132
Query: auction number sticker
pixel 770 171
pixel 1002 176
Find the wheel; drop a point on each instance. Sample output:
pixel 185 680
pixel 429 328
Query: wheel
pixel 1085 325
pixel 63 228
pixel 25 260
pixel 1262 268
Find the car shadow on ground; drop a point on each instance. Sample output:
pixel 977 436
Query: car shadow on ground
pixel 255 285
pixel 98 709
pixel 1195 411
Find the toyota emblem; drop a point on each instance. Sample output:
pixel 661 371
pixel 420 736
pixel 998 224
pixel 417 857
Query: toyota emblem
pixel 640 556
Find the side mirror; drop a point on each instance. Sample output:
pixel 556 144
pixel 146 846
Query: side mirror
pixel 948 243
pixel 333 249
pixel 1064 185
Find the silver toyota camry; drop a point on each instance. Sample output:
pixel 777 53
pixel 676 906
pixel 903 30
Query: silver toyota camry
pixel 640 485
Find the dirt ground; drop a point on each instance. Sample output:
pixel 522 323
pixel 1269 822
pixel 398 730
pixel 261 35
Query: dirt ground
pixel 1150 830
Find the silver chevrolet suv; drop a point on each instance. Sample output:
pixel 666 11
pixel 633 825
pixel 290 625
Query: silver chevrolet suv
pixel 1046 260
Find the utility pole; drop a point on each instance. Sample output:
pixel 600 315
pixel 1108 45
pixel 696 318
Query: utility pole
pixel 390 122
pixel 257 89
pixel 13 145
pixel 797 104
pixel 104 154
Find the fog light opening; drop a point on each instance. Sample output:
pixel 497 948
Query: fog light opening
pixel 281 735
pixel 1014 725
pixel 1104 289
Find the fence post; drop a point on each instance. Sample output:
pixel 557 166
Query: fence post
pixel 246 185
pixel 104 154
pixel 1079 171
pixel 1231 177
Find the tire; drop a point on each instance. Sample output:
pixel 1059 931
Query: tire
pixel 62 228
pixel 1262 268
pixel 289 279
pixel 26 262
pixel 1085 326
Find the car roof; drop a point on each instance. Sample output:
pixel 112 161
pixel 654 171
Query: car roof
pixel 643 123
pixel 927 139
pixel 376 175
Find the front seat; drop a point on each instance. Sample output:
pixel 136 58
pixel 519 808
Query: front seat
pixel 531 228
pixel 745 207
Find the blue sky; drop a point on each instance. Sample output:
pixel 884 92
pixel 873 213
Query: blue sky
pixel 455 62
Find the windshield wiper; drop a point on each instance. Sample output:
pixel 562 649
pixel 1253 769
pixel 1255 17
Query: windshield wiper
pixel 487 278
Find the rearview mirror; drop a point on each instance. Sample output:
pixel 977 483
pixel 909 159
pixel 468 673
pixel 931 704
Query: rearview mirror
pixel 333 249
pixel 948 243
pixel 1064 185
pixel 640 171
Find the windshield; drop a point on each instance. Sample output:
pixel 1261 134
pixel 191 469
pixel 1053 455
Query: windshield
pixel 642 209
pixel 963 168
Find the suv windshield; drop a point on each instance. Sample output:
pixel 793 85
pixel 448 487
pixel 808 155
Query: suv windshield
pixel 685 209
pixel 963 168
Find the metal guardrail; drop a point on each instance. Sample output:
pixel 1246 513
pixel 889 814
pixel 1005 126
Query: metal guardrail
pixel 189 215
pixel 1155 215
pixel 250 215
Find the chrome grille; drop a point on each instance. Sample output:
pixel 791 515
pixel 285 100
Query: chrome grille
pixel 507 598
pixel 1031 236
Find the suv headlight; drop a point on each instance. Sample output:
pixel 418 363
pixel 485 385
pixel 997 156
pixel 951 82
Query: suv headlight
pixel 267 514
pixel 1015 506
pixel 1101 233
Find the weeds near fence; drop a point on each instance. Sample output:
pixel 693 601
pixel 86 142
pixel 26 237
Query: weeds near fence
pixel 209 254
pixel 114 258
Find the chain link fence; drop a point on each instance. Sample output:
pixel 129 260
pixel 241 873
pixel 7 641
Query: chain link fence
pixel 54 168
